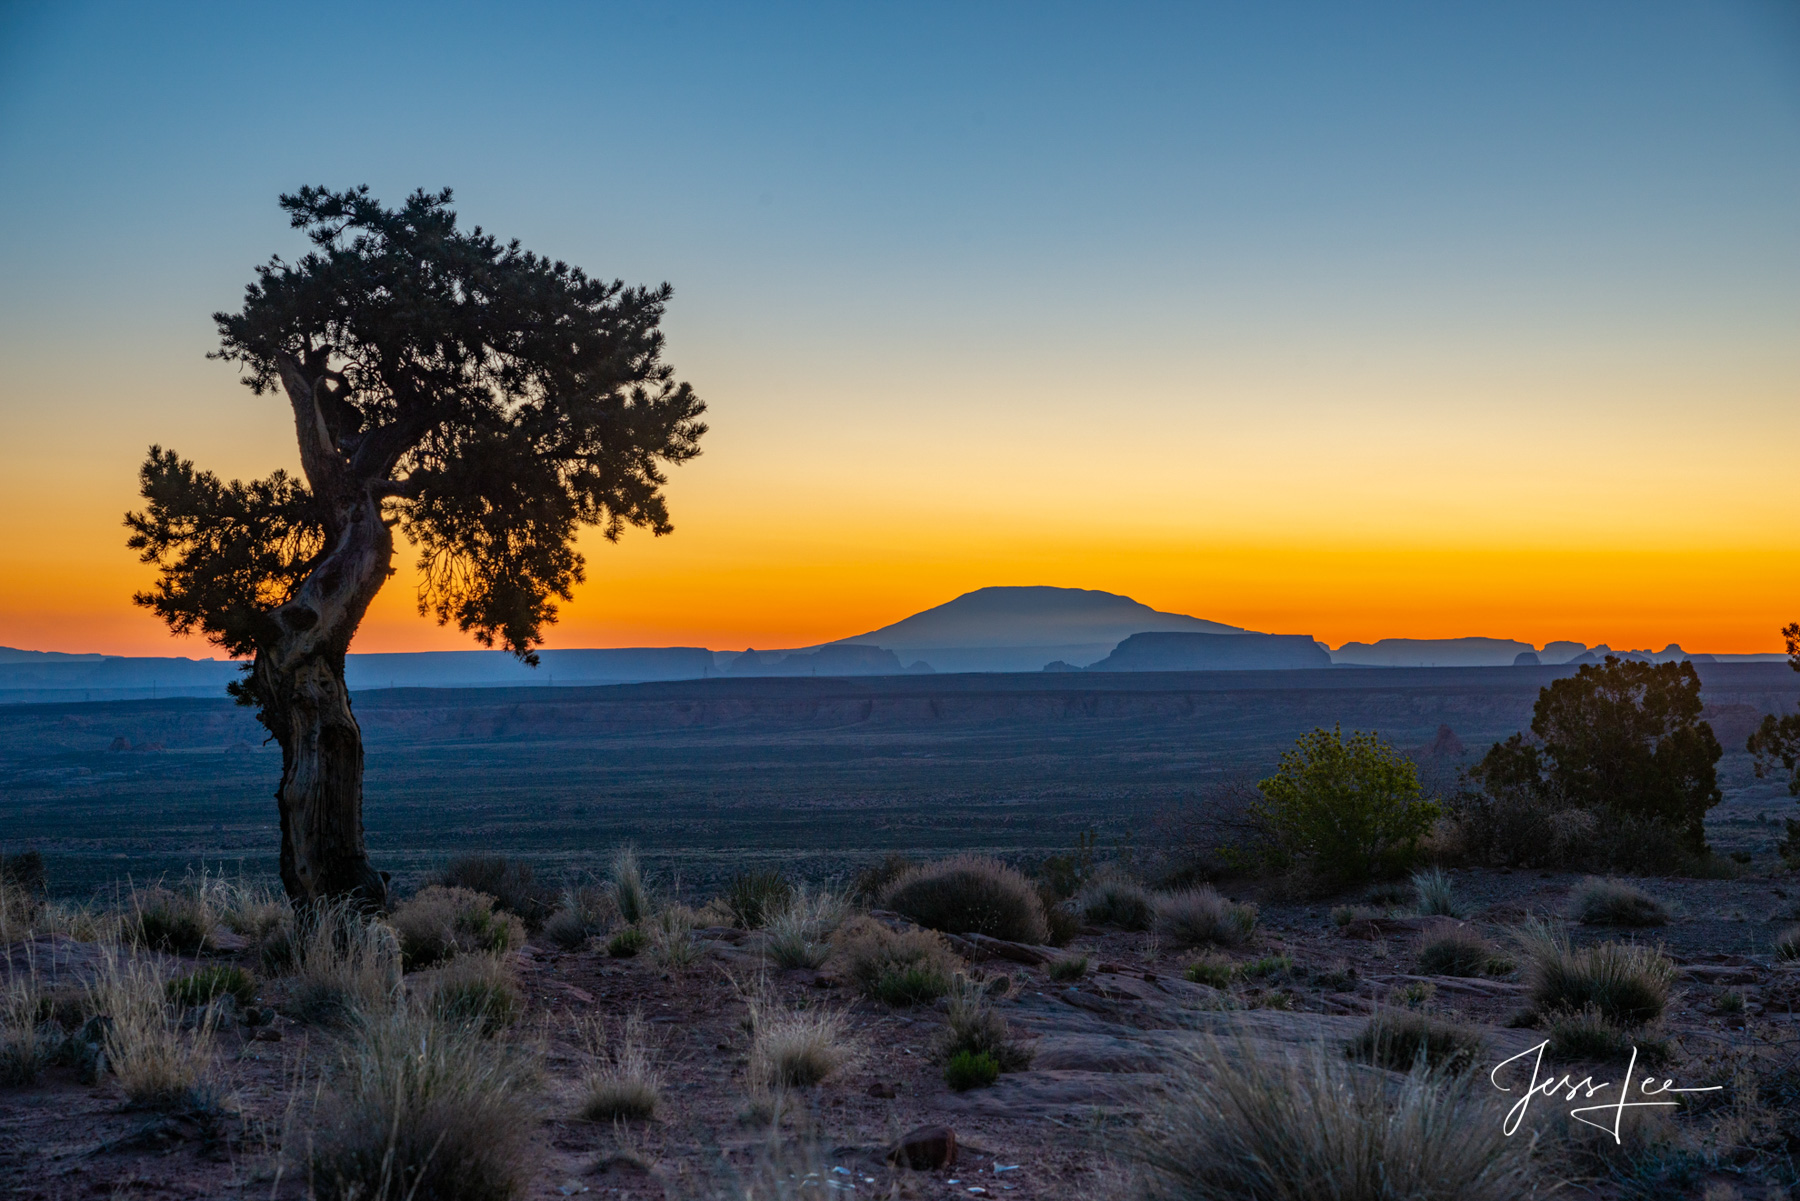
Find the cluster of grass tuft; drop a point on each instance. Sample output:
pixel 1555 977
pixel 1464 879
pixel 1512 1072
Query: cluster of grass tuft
pixel 1597 902
pixel 1627 983
pixel 345 965
pixel 795 1048
pixel 209 983
pixel 1113 900
pixel 1787 944
pixel 971 1069
pixel 1198 916
pixel 157 1065
pixel 1587 1035
pixel 583 912
pixel 1435 893
pixel 510 882
pixel 1454 952
pixel 970 894
pixel 623 1083
pixel 168 919
pixel 975 1027
pixel 1068 969
pixel 475 990
pixel 1401 1039
pixel 797 933
pixel 897 968
pixel 1215 971
pixel 631 895
pixel 754 897
pixel 440 922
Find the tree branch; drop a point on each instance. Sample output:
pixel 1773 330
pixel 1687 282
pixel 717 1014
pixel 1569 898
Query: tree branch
pixel 325 469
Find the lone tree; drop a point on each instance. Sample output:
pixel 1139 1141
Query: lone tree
pixel 1623 736
pixel 488 401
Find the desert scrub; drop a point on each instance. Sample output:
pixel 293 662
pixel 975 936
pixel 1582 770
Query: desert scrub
pixel 623 1083
pixel 252 908
pixel 797 932
pixel 27 1039
pixel 975 1027
pixel 971 1069
pixel 625 877
pixel 511 882
pixel 1434 893
pixel 1588 1036
pixel 1068 969
pixel 209 983
pixel 1454 952
pixel 1627 983
pixel 1597 902
pixel 474 989
pixel 970 894
pixel 1399 1039
pixel 1197 916
pixel 438 922
pixel 1787 944
pixel 1242 1124
pixel 167 919
pixel 754 897
pixel 1350 810
pixel 345 964
pixel 416 1107
pixel 583 912
pixel 672 943
pixel 157 1063
pixel 896 968
pixel 1115 901
pixel 1215 971
pixel 872 881
pixel 627 942
pixel 795 1048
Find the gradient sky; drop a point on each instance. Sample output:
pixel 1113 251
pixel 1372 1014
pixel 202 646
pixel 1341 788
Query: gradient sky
pixel 1350 320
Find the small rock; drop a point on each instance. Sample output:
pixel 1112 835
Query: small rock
pixel 265 1034
pixel 926 1148
pixel 879 1089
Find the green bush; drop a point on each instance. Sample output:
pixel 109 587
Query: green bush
pixel 971 1069
pixel 970 894
pixel 1067 969
pixel 1349 809
pixel 201 987
pixel 1214 970
pixel 627 942
pixel 755 897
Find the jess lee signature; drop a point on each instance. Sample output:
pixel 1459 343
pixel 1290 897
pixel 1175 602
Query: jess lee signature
pixel 1586 1088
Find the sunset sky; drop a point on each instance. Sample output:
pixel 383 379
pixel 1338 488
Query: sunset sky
pixel 1357 321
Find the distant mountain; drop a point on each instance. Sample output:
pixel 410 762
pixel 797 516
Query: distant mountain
pixel 1433 652
pixel 837 659
pixel 1214 652
pixel 1021 629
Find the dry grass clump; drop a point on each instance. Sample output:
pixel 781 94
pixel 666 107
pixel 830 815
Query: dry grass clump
pixel 1627 983
pixel 345 963
pixel 623 1084
pixel 798 931
pixel 671 934
pixel 1397 1039
pixel 970 894
pixel 1588 1036
pixel 511 882
pixel 584 912
pixel 1116 901
pixel 895 967
pixel 27 1041
pixel 420 1108
pixel 20 907
pixel 167 919
pixel 1456 952
pixel 754 897
pixel 438 922
pixel 1787 943
pixel 795 1048
pixel 1597 902
pixel 1241 1124
pixel 474 989
pixel 206 985
pixel 977 1028
pixel 1435 893
pixel 253 908
pixel 1198 916
pixel 625 876
pixel 157 1064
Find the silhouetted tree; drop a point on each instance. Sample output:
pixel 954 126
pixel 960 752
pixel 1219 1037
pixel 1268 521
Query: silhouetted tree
pixel 1624 736
pixel 1778 738
pixel 488 401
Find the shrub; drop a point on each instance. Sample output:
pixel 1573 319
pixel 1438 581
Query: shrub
pixel 625 876
pixel 1396 1039
pixel 1061 926
pixel 971 1069
pixel 422 1108
pixel 623 1084
pixel 1243 1125
pixel 253 909
pixel 797 932
pixel 754 897
pixel 795 1048
pixel 896 968
pixel 158 1065
pixel 1787 943
pixel 1596 902
pixel 476 990
pixel 1435 893
pixel 672 943
pixel 627 942
pixel 1350 809
pixel 1625 982
pixel 584 911
pixel 26 1039
pixel 1213 970
pixel 977 1028
pixel 873 881
pixel 970 894
pixel 1196 916
pixel 165 919
pixel 438 922
pixel 511 882
pixel 203 986
pixel 1067 969
pixel 1267 966
pixel 1455 952
pixel 346 964
pixel 1587 1036
pixel 1116 901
